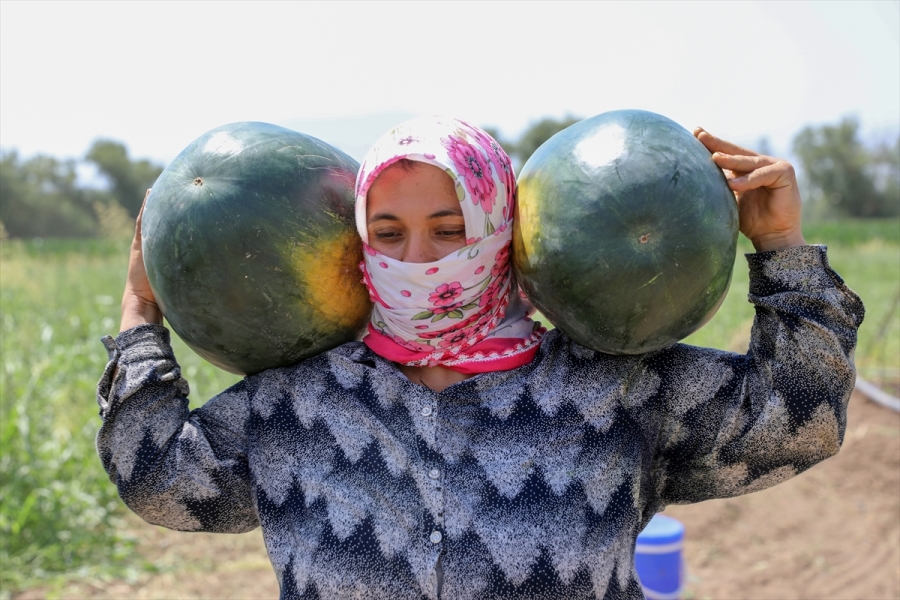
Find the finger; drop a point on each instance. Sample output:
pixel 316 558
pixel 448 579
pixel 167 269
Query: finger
pixel 137 222
pixel 715 144
pixel 778 175
pixel 742 164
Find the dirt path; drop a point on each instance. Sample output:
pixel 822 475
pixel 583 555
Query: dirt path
pixel 832 532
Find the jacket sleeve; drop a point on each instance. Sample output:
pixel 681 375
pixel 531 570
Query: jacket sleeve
pixel 181 469
pixel 733 424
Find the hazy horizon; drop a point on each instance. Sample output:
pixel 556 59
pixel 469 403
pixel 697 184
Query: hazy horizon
pixel 156 76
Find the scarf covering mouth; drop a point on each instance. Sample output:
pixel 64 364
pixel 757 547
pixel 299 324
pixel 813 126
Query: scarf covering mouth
pixel 464 311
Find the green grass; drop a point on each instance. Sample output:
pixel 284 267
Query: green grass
pixel 56 506
pixel 853 232
pixel 58 510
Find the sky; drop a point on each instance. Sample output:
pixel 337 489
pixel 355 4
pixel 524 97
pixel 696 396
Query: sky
pixel 158 75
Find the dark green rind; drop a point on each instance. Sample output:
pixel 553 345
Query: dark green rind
pixel 218 255
pixel 588 271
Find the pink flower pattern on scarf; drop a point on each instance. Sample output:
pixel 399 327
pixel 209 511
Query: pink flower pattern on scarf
pixel 475 169
pixel 445 294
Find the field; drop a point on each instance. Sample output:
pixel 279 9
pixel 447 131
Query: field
pixel 64 533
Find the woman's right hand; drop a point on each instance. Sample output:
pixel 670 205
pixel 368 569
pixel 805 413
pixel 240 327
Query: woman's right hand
pixel 138 302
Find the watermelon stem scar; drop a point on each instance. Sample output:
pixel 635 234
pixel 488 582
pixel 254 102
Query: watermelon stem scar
pixel 198 181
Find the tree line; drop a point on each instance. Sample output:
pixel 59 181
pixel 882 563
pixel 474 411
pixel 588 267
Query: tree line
pixel 41 197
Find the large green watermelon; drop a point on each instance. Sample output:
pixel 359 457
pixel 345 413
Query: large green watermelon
pixel 251 248
pixel 626 232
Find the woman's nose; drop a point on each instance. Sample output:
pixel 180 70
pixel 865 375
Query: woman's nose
pixel 420 249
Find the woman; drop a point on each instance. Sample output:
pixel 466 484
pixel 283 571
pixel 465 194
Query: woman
pixel 459 450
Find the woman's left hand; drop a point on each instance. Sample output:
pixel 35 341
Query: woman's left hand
pixel 766 190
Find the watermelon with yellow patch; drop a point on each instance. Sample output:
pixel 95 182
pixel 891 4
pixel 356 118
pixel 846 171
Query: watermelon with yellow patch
pixel 251 248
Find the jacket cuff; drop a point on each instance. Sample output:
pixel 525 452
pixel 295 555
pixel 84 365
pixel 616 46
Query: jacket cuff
pixel 802 268
pixel 144 338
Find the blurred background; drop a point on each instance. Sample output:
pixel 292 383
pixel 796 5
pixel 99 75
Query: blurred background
pixel 96 98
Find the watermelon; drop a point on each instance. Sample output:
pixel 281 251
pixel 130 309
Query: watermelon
pixel 251 248
pixel 626 232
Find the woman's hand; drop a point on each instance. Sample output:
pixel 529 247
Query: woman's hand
pixel 766 191
pixel 138 302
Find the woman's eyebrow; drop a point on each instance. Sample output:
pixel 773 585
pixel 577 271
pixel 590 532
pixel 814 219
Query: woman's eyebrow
pixel 446 213
pixel 382 217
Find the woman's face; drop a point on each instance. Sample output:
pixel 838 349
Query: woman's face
pixel 414 215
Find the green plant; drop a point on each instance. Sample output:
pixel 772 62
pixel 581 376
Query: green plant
pixel 60 516
pixel 57 509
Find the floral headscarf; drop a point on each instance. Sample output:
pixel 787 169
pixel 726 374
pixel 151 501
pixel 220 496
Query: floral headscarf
pixel 462 312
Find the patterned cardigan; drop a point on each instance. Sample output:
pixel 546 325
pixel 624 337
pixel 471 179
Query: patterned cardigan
pixel 529 483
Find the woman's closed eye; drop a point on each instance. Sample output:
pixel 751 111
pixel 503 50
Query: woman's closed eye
pixel 392 235
pixel 389 235
pixel 451 234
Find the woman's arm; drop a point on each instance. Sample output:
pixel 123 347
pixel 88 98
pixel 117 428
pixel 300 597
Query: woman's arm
pixel 181 469
pixel 174 467
pixel 734 424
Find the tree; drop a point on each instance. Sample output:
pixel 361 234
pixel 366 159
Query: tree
pixel 39 198
pixel 538 133
pixel 886 173
pixel 850 178
pixel 531 139
pixel 494 133
pixel 128 179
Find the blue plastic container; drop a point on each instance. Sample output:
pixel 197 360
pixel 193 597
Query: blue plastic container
pixel 657 557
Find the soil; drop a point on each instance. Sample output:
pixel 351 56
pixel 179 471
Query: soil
pixel 831 532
